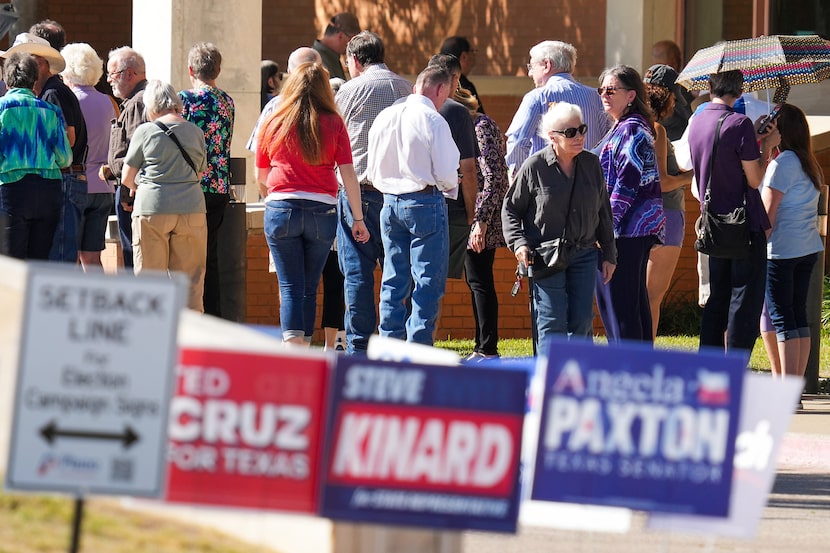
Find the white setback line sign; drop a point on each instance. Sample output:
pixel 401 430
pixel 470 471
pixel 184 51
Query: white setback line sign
pixel 94 382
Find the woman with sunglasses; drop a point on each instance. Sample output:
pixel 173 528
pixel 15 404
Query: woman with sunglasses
pixel 559 190
pixel 629 164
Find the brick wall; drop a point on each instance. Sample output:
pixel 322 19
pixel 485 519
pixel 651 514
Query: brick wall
pixel 412 30
pixel 104 24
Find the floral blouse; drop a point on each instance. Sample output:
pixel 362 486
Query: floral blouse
pixel 492 179
pixel 211 109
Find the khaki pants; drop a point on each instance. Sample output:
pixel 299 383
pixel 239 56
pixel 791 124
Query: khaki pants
pixel 173 243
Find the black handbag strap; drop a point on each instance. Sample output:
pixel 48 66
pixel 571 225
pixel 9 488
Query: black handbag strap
pixel 706 192
pixel 169 132
pixel 570 201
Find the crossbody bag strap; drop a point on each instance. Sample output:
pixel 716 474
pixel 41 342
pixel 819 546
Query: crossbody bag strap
pixel 706 192
pixel 169 132
pixel 570 200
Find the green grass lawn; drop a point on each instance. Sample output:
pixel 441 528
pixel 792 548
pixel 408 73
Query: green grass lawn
pixel 518 347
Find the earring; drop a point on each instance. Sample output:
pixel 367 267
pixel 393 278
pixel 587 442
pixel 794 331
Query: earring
pixel 629 104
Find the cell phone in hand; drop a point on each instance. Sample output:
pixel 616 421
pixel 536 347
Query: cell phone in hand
pixel 765 123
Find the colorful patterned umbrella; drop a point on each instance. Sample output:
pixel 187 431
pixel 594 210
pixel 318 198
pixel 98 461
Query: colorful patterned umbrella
pixel 778 61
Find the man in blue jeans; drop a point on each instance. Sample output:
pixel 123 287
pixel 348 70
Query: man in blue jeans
pixel 126 76
pixel 412 159
pixel 737 285
pixel 373 88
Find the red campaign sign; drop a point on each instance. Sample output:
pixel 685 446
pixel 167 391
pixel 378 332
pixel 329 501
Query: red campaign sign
pixel 245 430
pixel 439 450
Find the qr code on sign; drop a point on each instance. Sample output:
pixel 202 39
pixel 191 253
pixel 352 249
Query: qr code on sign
pixel 122 470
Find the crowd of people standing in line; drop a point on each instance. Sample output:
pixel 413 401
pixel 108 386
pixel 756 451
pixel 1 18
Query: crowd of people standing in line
pixel 69 159
pixel 418 180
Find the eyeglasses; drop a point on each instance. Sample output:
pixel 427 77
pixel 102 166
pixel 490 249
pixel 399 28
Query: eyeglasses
pixel 531 64
pixel 609 90
pixel 571 132
pixel 114 74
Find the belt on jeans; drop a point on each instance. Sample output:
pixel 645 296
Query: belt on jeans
pixel 74 169
pixel 365 185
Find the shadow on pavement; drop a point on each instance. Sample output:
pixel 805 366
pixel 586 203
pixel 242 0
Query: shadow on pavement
pixel 800 491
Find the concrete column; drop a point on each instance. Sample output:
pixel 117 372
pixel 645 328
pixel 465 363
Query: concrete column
pixel 632 27
pixel 164 31
pixel 29 13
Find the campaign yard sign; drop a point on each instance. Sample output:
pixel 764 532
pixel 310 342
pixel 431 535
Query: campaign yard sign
pixel 629 426
pixel 245 430
pixel 424 445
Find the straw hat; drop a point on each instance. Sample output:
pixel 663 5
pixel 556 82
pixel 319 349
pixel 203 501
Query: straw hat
pixel 32 44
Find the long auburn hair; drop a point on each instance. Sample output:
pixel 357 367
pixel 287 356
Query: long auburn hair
pixel 305 95
pixel 795 136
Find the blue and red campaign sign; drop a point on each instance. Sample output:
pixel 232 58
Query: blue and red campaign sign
pixel 424 445
pixel 629 426
pixel 246 430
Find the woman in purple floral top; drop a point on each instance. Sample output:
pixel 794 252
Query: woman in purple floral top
pixel 211 109
pixel 486 233
pixel 630 167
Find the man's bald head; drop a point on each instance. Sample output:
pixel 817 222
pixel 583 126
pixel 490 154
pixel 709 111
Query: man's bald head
pixel 303 55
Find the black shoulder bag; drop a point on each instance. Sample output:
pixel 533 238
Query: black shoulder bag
pixel 724 235
pixel 169 132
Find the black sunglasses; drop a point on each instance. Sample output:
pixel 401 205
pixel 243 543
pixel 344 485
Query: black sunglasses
pixel 571 132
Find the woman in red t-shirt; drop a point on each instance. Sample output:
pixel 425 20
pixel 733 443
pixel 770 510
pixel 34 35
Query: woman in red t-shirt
pixel 298 151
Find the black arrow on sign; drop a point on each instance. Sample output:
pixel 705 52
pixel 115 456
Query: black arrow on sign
pixel 51 431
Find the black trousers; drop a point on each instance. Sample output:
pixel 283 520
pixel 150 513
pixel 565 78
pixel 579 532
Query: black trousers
pixel 334 303
pixel 478 269
pixel 215 205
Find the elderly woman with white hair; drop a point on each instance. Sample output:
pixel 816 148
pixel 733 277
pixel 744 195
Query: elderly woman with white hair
pixel 163 168
pixel 559 201
pixel 83 70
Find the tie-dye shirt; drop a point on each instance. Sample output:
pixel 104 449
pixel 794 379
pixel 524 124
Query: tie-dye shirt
pixel 630 168
pixel 33 137
pixel 212 110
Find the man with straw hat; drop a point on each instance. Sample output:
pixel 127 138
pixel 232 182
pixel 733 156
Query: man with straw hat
pixel 50 88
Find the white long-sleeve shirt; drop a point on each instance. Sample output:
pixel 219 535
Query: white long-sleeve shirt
pixel 411 147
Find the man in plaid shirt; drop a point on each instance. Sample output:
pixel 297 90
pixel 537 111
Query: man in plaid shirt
pixel 373 87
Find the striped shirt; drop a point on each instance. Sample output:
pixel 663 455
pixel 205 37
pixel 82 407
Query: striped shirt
pixel 360 100
pixel 523 138
pixel 33 137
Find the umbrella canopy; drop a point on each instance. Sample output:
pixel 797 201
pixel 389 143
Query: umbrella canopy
pixel 778 61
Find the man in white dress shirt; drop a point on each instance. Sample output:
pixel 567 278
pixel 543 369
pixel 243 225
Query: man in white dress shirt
pixel 412 160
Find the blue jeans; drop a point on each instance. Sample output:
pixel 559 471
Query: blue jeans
pixel 68 233
pixel 736 298
pixel 29 213
pixel 788 281
pixel 299 234
pixel 416 246
pixel 564 301
pixel 357 263
pixel 125 227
